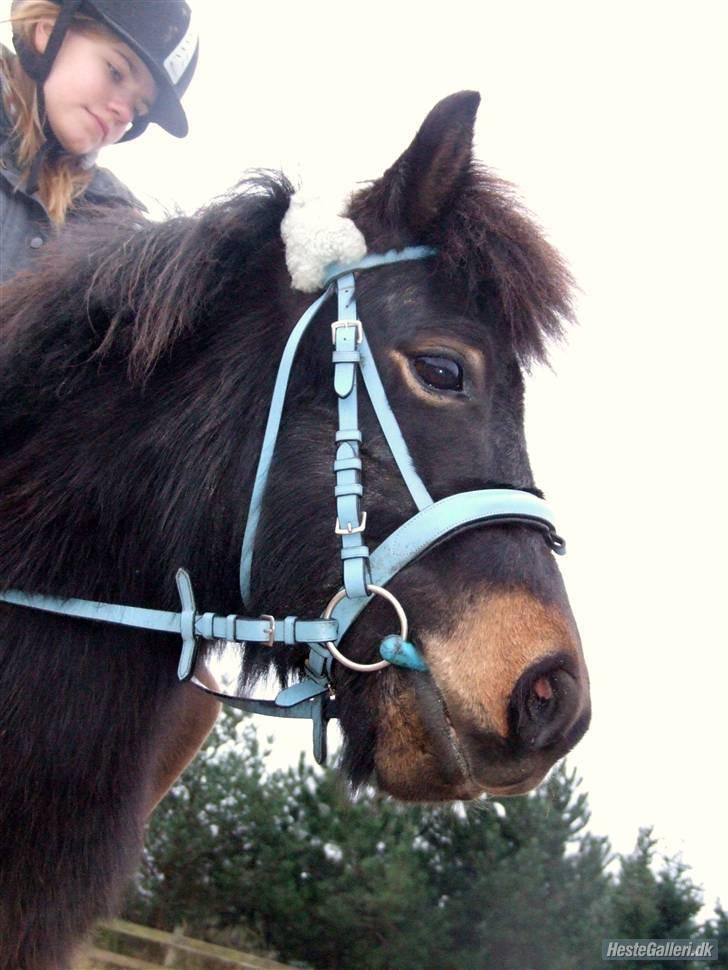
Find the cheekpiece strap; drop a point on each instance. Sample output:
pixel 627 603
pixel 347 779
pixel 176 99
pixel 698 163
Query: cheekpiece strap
pixel 348 487
pixel 343 379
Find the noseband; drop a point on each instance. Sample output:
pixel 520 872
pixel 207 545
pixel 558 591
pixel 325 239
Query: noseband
pixel 364 574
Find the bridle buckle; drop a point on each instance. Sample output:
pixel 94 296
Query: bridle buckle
pixel 271 631
pixel 339 324
pixel 351 530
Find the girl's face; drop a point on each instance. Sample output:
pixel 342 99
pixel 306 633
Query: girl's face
pixel 97 86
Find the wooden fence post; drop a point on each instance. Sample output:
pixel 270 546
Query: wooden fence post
pixel 170 955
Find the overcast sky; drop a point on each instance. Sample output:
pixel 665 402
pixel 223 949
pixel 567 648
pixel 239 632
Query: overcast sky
pixel 610 118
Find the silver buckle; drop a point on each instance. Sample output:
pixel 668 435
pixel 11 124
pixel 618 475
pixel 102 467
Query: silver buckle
pixel 271 631
pixel 338 324
pixel 350 530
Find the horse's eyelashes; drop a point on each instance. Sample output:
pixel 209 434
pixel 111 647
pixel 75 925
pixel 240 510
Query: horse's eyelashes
pixel 442 373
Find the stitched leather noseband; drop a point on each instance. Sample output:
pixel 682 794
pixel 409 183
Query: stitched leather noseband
pixel 364 574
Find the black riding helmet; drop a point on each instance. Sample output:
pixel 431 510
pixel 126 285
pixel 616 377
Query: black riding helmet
pixel 159 32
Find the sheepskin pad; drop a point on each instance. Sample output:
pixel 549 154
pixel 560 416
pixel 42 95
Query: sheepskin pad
pixel 315 235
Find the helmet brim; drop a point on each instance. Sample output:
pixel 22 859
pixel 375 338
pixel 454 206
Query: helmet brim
pixel 167 110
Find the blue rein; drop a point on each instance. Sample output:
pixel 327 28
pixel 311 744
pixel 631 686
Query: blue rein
pixel 363 574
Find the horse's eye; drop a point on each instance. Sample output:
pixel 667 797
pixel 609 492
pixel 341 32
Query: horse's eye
pixel 439 372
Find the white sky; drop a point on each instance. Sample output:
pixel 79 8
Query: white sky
pixel 610 117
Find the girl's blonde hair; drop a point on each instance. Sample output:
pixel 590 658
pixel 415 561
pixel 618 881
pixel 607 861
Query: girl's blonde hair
pixel 63 177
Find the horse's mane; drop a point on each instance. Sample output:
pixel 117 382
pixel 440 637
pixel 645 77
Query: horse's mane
pixel 141 284
pixel 144 284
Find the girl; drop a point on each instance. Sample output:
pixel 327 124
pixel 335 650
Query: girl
pixel 86 74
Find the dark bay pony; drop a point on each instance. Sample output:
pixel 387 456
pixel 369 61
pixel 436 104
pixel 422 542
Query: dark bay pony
pixel 136 370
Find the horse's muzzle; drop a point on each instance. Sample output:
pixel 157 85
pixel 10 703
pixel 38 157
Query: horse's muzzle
pixel 548 713
pixel 547 706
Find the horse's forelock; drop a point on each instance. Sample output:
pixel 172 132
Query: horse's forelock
pixel 494 245
pixel 491 246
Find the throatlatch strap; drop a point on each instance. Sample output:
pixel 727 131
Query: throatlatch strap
pixel 269 440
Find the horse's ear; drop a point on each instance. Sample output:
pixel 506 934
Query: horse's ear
pixel 429 173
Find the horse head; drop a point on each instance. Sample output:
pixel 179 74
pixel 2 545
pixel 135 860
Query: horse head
pixel 506 692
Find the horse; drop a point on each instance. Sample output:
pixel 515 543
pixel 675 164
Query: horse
pixel 137 366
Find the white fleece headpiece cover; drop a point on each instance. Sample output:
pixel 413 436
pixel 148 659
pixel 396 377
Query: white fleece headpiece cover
pixel 316 234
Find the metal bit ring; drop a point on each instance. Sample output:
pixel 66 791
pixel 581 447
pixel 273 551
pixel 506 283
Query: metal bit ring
pixel 334 650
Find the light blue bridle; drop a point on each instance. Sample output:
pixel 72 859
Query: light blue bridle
pixel 364 574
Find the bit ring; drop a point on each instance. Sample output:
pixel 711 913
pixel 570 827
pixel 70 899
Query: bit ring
pixel 334 650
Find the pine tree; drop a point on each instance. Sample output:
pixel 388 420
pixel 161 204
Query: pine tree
pixel 717 930
pixel 653 905
pixel 289 863
pixel 205 840
pixel 522 885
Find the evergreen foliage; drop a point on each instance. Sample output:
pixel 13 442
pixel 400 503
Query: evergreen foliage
pixel 288 863
pixel 717 929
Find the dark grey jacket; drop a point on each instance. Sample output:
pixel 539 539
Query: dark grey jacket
pixel 24 223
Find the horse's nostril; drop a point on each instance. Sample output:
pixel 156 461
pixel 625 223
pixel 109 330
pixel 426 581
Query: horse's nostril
pixel 542 689
pixel 540 701
pixel 543 705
